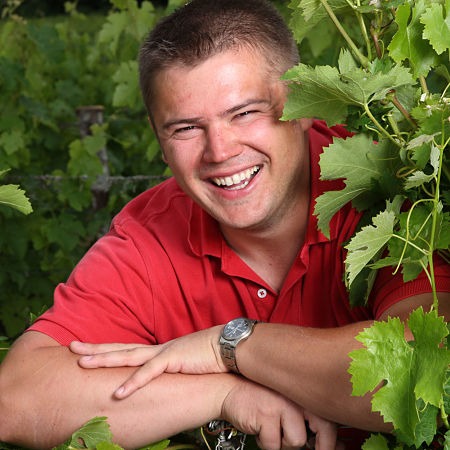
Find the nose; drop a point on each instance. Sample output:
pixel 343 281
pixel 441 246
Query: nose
pixel 221 143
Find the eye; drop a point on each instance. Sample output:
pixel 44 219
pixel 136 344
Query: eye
pixel 186 132
pixel 185 129
pixel 246 113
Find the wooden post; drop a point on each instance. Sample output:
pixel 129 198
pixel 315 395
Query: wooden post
pixel 88 116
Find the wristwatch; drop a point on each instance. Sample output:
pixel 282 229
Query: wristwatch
pixel 234 332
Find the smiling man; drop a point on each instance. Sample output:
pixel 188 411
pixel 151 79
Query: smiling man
pixel 230 238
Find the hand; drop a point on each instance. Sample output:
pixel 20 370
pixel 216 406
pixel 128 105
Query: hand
pixel 196 353
pixel 277 422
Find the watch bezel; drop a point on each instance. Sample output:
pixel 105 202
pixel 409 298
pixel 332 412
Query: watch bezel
pixel 233 324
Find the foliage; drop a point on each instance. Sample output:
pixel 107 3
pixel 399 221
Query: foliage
pixel 14 197
pixel 50 68
pixel 390 86
pixel 93 435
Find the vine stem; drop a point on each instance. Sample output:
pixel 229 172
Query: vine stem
pixel 362 59
pixel 363 28
pixel 379 126
pixel 434 222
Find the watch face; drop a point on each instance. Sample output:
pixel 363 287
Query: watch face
pixel 235 329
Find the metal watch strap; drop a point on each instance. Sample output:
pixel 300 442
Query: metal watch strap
pixel 228 348
pixel 228 353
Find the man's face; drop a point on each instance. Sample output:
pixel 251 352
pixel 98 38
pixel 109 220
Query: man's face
pixel 218 128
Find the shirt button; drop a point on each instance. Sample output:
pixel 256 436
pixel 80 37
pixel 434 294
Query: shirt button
pixel 262 293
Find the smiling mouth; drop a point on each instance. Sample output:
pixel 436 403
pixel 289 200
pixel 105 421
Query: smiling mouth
pixel 237 181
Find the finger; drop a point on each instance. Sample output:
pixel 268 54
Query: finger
pixel 269 436
pixel 326 433
pixel 85 348
pixel 131 357
pixel 294 434
pixel 141 377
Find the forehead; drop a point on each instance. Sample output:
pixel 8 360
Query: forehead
pixel 219 82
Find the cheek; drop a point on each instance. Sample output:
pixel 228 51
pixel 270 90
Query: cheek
pixel 182 159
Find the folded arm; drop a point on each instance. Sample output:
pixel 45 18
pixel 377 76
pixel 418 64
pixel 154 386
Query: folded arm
pixel 306 365
pixel 45 396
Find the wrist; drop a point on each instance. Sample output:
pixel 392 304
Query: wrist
pixel 233 334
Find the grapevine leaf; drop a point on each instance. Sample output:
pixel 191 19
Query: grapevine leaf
pixel 47 41
pixel 362 286
pixel 346 62
pixel 426 427
pixel 431 360
pixel 407 43
pixel 418 178
pixel 307 14
pixel 443 232
pixel 367 243
pixel 437 27
pixel 359 161
pixel 375 442
pixel 92 433
pixel 325 93
pixel 112 29
pixel 161 445
pixel 11 195
pixel 107 446
pixel 413 245
pixel 317 92
pixel 432 116
pixel 127 90
pixel 387 358
pixel 447 441
pixel 12 141
pixel 412 375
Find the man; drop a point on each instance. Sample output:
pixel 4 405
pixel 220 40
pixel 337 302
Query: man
pixel 231 235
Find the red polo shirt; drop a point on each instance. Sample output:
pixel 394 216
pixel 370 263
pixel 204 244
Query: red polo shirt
pixel 164 270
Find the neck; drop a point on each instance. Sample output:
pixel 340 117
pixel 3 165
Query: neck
pixel 271 250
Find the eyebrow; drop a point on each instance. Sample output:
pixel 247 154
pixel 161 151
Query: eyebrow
pixel 232 110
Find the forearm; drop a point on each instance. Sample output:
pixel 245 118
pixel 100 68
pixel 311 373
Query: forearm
pixel 309 366
pixel 46 396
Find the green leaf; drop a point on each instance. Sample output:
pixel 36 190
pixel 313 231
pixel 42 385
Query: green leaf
pixel 418 178
pixel 112 29
pixel 12 141
pixel 11 195
pixel 360 162
pixel 436 23
pixel 408 43
pixel 307 14
pixel 161 445
pixel 431 360
pixel 325 93
pixel 375 442
pixel 411 375
pixel 414 246
pixel 107 446
pixel 443 232
pixel 447 441
pixel 367 243
pixel 317 92
pixel 127 90
pixel 93 432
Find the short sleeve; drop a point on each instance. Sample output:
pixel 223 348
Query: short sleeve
pixel 390 288
pixel 107 298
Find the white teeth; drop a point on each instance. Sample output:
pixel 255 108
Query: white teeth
pixel 237 178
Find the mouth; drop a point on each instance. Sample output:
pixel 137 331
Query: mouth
pixel 237 181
